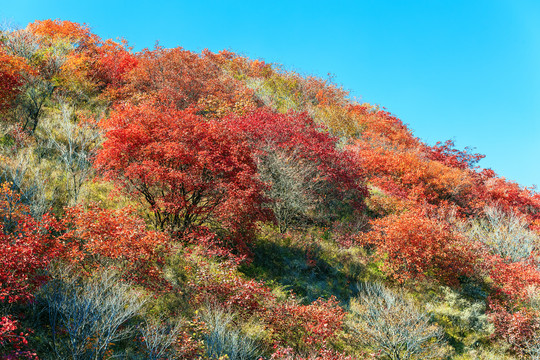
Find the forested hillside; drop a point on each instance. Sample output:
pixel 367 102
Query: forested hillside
pixel 166 204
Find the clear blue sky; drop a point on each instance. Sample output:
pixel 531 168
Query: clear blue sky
pixel 467 70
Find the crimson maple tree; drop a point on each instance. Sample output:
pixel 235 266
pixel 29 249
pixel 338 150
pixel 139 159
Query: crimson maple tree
pixel 189 171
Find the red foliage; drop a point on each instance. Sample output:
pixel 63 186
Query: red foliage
pixel 118 238
pixel 13 342
pixel 447 154
pixel 24 255
pixel 245 296
pixel 516 328
pixel 26 248
pixel 11 68
pixel 512 279
pixel 412 245
pixel 303 327
pixel 514 321
pixel 510 195
pixel 182 79
pixel 268 131
pixel 407 173
pixel 189 170
pixel 113 65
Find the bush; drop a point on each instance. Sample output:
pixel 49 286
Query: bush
pixel 158 338
pixel 88 316
pixel 506 233
pixel 310 179
pixel 413 245
pixel 390 324
pixel 189 171
pixel 223 339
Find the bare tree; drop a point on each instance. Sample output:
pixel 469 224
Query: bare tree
pixel 93 313
pixel 292 188
pixel 75 142
pixel 25 178
pixel 392 325
pixel 505 233
pixel 532 347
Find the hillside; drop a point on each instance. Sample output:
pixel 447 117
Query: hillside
pixel 166 204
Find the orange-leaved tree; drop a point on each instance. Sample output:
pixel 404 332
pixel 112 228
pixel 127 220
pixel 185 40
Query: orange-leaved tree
pixel 11 70
pixel 414 245
pixel 183 79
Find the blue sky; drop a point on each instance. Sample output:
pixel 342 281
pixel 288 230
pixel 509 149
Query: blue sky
pixel 467 70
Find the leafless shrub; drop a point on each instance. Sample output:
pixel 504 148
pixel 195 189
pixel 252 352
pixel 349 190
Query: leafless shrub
pixel 158 336
pixel 75 143
pixel 92 313
pixel 20 42
pixel 389 323
pixel 505 233
pixel 532 347
pixel 291 187
pixel 25 176
pixel 223 339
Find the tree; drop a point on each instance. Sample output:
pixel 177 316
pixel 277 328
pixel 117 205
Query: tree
pixel 75 141
pixel 413 245
pixel 188 170
pixel 12 69
pixel 37 85
pixel 309 177
pixel 182 79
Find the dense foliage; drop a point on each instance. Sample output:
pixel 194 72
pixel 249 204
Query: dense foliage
pixel 168 204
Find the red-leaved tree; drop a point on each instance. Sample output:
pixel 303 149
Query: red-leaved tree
pixel 27 246
pixel 189 171
pixel 183 79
